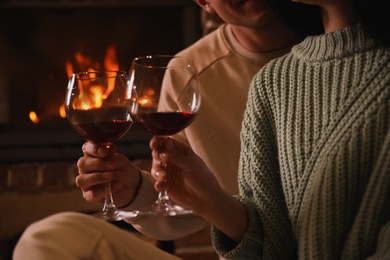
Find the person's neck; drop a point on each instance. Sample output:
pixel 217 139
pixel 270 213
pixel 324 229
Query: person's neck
pixel 337 17
pixel 264 39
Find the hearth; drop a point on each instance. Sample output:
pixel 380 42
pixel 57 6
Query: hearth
pixel 42 41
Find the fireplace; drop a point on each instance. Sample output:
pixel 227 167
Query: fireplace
pixel 41 39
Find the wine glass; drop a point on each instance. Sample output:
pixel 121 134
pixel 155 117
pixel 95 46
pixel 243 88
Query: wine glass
pixel 166 100
pixel 96 107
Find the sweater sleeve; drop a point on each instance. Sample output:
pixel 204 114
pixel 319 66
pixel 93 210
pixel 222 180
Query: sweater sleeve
pixel 146 193
pixel 249 246
pixel 383 247
pixel 269 234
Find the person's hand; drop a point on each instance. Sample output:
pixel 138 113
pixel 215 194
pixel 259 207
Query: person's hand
pixel 100 165
pixel 192 185
pixel 189 182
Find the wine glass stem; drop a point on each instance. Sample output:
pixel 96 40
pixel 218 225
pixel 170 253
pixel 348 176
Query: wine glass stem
pixel 163 197
pixel 108 200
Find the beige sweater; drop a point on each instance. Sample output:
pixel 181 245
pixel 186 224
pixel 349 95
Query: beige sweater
pixel 225 72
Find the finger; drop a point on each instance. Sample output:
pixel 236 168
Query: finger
pixel 90 164
pixel 156 170
pixel 98 192
pixel 157 143
pixel 160 178
pixel 97 150
pixel 160 185
pixel 158 174
pixel 95 195
pixel 89 181
pixel 158 149
pixel 169 150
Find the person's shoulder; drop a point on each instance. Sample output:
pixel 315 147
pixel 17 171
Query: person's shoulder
pixel 273 69
pixel 207 49
pixel 213 36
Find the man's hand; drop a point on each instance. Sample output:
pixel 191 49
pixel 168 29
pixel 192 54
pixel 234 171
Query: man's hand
pixel 101 164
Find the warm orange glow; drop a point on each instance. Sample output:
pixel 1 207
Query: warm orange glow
pixel 69 68
pixel 144 101
pixel 147 99
pixel 33 117
pixel 110 63
pixel 97 97
pixel 110 60
pixel 62 111
pixel 82 61
pixel 86 64
pixel 98 93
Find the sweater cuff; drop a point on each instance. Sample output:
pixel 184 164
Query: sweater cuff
pixel 250 245
pixel 146 193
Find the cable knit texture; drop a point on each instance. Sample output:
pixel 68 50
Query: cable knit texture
pixel 314 165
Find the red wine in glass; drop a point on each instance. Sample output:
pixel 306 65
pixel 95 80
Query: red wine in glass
pixel 95 106
pixel 99 131
pixel 163 99
pixel 163 123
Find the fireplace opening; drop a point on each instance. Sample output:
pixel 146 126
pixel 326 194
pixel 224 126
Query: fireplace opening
pixel 40 42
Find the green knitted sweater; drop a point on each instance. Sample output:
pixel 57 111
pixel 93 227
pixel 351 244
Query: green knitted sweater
pixel 314 167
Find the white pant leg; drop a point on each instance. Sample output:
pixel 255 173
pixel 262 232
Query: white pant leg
pixel 70 235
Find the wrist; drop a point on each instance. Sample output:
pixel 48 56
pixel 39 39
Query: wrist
pixel 136 191
pixel 145 193
pixel 222 205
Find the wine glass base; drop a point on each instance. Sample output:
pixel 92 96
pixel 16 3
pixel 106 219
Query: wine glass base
pixel 115 215
pixel 165 209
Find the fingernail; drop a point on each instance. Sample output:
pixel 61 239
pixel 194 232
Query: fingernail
pixel 163 156
pixel 159 175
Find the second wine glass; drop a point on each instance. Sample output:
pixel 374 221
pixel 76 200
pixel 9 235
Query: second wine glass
pixel 96 107
pixel 166 100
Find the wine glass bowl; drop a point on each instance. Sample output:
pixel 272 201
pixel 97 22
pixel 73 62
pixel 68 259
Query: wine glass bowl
pixel 164 98
pixel 95 106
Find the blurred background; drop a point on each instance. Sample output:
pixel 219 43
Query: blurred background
pixel 42 42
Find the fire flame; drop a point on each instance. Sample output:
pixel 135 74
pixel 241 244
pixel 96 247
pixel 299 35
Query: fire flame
pixel 33 117
pixel 147 99
pixel 62 111
pixel 110 63
pixel 86 63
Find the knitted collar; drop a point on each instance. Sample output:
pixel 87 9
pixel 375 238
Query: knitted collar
pixel 335 45
pixel 256 57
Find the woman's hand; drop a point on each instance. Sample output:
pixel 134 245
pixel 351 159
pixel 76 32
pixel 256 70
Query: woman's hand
pixel 192 185
pixel 101 164
pixel 189 182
